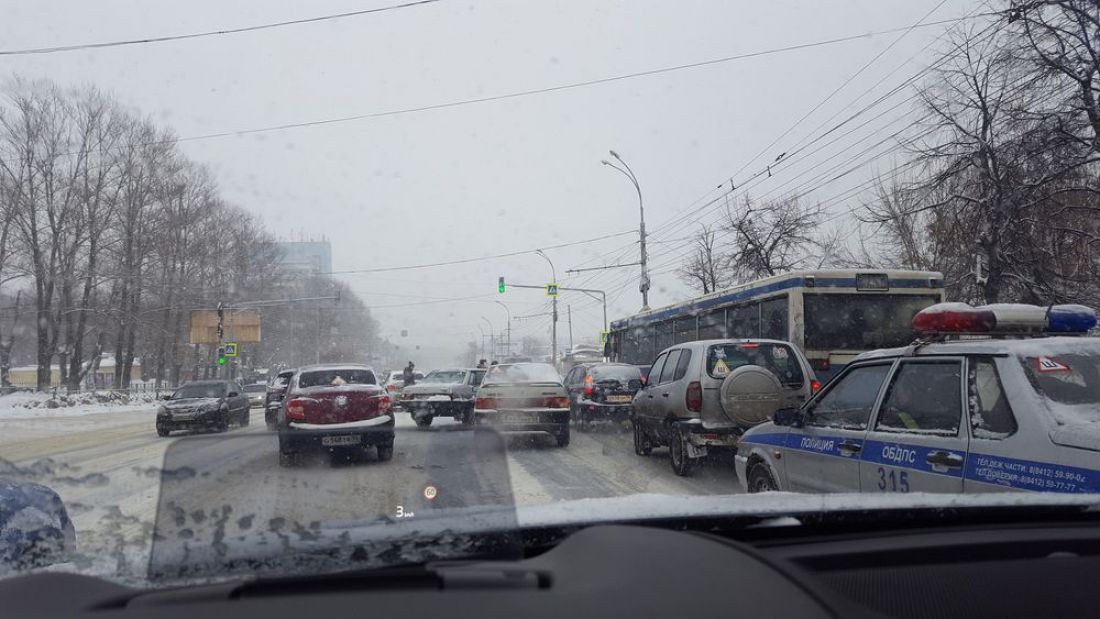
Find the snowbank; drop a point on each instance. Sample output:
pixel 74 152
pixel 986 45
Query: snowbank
pixel 46 404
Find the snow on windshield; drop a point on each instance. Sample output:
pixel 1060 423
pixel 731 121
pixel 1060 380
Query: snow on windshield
pixel 456 376
pixel 215 390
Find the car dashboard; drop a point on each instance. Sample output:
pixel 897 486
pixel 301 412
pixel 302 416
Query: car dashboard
pixel 1000 562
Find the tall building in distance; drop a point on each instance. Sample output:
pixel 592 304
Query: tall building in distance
pixel 307 256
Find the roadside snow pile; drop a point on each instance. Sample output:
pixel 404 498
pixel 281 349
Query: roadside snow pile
pixel 44 404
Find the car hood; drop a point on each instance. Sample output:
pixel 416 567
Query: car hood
pixel 189 403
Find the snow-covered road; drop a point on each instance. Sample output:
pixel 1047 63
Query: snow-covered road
pixel 107 469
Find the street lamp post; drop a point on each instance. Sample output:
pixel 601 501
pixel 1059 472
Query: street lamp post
pixel 508 328
pixel 492 338
pixel 643 287
pixel 554 321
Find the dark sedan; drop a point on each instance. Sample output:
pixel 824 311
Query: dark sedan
pixel 203 404
pixel 602 392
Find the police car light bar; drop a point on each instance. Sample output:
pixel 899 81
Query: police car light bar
pixel 1004 318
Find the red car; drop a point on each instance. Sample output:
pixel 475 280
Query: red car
pixel 339 409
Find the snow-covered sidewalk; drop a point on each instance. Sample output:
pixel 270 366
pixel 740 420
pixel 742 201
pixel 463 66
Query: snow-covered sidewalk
pixel 35 405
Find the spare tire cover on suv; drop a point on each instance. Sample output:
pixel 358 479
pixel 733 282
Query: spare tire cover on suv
pixel 750 395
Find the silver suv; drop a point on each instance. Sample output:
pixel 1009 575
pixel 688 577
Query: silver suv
pixel 703 395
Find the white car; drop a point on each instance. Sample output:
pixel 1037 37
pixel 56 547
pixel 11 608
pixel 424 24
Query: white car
pixel 959 416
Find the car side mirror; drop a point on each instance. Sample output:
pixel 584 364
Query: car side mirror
pixel 167 396
pixel 788 417
pixel 233 394
pixel 634 384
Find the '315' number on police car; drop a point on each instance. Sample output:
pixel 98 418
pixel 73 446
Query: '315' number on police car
pixel 892 480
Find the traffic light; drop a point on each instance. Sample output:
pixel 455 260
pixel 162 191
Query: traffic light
pixel 500 284
pixel 221 356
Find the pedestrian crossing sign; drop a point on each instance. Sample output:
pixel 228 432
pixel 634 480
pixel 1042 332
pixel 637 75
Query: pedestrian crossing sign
pixel 230 349
pixel 552 290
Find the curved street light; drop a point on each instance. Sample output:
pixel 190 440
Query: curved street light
pixel 554 303
pixel 625 170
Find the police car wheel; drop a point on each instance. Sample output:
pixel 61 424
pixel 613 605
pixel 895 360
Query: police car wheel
pixel 642 445
pixel 682 464
pixel 760 480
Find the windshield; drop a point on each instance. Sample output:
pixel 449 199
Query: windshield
pixel 419 220
pixel 335 378
pixel 779 359
pixel 199 390
pixel 861 321
pixel 449 376
pixel 521 373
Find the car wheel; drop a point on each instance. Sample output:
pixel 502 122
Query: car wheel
pixel 468 418
pixel 423 422
pixel 563 437
pixel 385 452
pixel 642 446
pixel 223 422
pixel 682 464
pixel 761 480
pixel 162 431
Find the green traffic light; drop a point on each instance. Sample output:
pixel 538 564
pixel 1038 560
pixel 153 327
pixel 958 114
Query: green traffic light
pixel 500 285
pixel 221 360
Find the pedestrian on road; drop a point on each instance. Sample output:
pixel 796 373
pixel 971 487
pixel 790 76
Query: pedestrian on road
pixel 408 376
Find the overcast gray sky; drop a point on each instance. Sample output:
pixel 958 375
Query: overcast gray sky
pixel 492 177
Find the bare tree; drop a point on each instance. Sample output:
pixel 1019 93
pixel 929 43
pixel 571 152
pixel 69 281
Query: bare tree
pixel 771 237
pixel 705 269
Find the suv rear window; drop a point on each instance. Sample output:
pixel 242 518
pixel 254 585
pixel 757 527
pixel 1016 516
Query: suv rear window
pixel 779 359
pixel 621 373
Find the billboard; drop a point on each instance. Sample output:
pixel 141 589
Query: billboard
pixel 239 325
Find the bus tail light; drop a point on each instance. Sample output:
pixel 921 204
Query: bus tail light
pixel 820 365
pixel 695 397
pixel 588 384
pixel 296 410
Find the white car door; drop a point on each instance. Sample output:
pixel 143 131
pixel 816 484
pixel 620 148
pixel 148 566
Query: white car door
pixel 823 455
pixel 918 442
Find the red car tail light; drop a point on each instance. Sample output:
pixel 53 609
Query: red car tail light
pixel 296 410
pixel 556 402
pixel 384 404
pixel 588 384
pixel 815 386
pixel 694 397
pixel 485 403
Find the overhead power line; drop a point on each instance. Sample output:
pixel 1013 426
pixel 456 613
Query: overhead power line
pixel 410 267
pixel 210 33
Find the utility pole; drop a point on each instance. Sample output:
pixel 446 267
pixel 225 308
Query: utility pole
pixel 569 311
pixel 554 320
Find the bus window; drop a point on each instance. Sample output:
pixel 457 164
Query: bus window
pixel 744 321
pixel 773 314
pixel 685 330
pixel 664 335
pixel 712 325
pixel 861 321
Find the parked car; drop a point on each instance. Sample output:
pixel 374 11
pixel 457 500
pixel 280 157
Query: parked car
pixel 703 395
pixel 339 409
pixel 273 401
pixel 35 528
pixel 602 391
pixel 203 404
pixel 443 393
pixel 257 393
pixel 524 397
pixel 959 416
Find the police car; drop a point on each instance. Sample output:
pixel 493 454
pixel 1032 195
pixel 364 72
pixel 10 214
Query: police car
pixel 992 398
